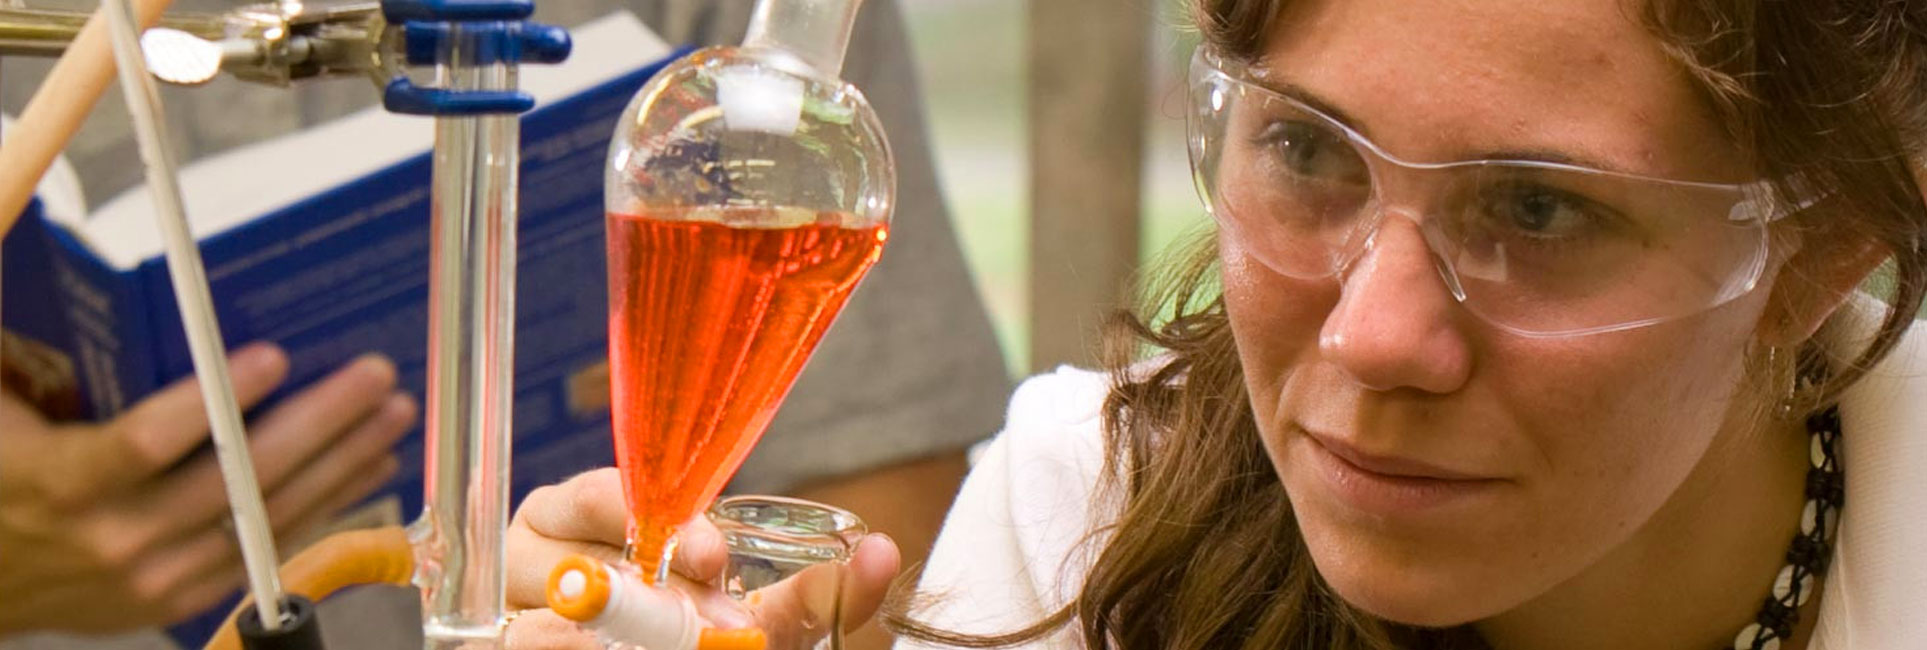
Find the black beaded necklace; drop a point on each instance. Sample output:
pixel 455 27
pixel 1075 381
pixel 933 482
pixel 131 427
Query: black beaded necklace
pixel 1812 548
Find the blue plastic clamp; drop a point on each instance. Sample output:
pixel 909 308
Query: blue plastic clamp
pixel 492 31
pixel 399 11
pixel 403 96
pixel 489 42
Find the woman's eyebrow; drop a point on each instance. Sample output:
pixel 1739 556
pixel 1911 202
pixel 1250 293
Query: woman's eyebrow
pixel 1306 96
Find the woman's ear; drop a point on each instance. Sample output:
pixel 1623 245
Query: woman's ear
pixel 1815 282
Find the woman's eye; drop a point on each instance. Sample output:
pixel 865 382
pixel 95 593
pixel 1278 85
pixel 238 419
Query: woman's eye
pixel 1543 213
pixel 1311 151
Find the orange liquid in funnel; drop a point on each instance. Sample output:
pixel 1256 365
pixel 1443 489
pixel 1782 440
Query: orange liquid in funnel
pixel 708 327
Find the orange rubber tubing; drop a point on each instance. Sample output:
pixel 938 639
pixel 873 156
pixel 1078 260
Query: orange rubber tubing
pixel 748 638
pixel 356 557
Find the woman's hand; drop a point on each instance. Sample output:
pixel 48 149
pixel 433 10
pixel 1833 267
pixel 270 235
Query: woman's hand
pixel 586 515
pixel 106 527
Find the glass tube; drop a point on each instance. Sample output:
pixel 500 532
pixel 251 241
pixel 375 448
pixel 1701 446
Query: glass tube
pixel 458 540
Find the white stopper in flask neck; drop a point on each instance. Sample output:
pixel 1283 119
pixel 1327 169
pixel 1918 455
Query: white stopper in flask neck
pixel 816 31
pixel 755 99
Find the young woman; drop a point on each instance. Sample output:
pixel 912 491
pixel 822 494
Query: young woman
pixel 1526 325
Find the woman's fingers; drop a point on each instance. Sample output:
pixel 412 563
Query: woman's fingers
pixel 187 574
pixel 281 442
pixel 533 556
pixel 873 568
pixel 583 515
pixel 586 508
pixel 171 568
pixel 541 629
pixel 307 422
pixel 795 613
pixel 320 515
pixel 173 534
pixel 354 461
pixel 153 435
pixel 117 518
pixel 208 591
pixel 701 551
pixel 586 515
pixel 184 577
pixel 167 538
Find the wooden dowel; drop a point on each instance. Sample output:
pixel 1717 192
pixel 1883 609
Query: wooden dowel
pixel 58 107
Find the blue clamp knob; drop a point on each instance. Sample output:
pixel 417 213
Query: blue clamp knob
pixel 399 11
pixel 403 96
pixel 488 42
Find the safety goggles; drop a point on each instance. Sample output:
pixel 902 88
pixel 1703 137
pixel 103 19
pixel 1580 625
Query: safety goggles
pixel 1536 248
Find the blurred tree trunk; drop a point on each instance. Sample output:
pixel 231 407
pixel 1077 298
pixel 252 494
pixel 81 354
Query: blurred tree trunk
pixel 1087 101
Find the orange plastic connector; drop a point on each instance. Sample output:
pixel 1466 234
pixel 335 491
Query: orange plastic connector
pixel 358 557
pixel 748 638
pixel 585 590
pixel 580 603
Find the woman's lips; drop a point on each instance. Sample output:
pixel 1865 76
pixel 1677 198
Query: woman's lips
pixel 1390 466
pixel 1389 485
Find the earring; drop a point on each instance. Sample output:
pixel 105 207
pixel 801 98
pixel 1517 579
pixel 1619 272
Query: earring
pixel 1784 406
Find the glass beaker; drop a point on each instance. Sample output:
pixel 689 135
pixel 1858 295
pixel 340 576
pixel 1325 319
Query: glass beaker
pixel 772 539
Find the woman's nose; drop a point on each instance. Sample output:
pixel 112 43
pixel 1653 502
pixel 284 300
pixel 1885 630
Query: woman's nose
pixel 1396 324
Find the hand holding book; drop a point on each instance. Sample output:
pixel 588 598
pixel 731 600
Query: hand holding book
pixel 123 522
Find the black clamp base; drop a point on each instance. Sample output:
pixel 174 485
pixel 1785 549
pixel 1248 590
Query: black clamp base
pixel 300 629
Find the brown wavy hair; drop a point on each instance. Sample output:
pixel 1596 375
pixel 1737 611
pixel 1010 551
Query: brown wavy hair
pixel 1830 92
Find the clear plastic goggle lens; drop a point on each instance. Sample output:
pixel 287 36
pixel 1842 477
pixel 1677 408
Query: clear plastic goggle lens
pixel 1541 249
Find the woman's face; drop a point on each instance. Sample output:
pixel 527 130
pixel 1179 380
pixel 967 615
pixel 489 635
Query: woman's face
pixel 1443 470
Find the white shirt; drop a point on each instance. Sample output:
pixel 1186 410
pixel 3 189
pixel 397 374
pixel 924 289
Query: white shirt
pixel 1010 551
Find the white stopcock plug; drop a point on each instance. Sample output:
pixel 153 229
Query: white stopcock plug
pixel 621 608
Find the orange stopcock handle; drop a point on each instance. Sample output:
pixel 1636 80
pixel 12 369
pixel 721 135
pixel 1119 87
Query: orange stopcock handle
pixel 621 608
pixel 357 557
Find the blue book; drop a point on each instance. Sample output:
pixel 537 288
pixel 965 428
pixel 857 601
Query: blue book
pixel 319 241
